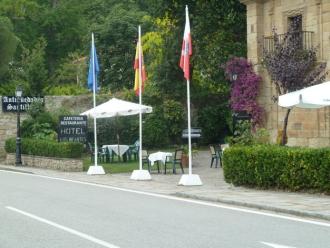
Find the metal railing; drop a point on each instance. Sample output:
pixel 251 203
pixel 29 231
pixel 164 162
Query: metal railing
pixel 304 39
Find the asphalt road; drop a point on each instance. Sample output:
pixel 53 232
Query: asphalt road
pixel 42 212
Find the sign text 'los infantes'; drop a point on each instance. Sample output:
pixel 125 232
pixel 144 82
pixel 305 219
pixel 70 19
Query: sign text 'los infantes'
pixel 72 128
pixel 9 103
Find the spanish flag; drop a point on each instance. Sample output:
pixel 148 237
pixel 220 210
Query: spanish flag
pixel 137 63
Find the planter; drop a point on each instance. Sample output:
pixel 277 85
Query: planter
pixel 185 160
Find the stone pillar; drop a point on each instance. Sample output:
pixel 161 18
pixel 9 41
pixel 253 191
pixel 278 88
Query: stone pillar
pixel 255 30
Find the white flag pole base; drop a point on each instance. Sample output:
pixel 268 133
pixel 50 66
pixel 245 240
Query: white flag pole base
pixel 141 175
pixel 190 180
pixel 95 170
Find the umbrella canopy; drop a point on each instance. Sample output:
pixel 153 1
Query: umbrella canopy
pixel 117 107
pixel 316 96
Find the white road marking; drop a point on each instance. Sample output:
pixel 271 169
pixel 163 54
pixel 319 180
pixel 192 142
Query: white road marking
pixel 276 245
pixel 67 229
pixel 216 205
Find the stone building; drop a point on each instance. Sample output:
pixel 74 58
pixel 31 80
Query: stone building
pixel 306 127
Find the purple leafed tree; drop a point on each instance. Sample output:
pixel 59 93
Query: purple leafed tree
pixel 244 88
pixel 292 66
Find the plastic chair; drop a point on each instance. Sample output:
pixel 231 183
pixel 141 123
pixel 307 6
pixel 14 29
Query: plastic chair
pixel 109 155
pixel 145 159
pixel 214 156
pixel 177 159
pixel 100 153
pixel 219 152
pixel 134 150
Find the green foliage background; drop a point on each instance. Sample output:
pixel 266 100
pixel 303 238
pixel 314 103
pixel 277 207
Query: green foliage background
pixel 44 45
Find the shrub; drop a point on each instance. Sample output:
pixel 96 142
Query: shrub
pixel 245 89
pixel 245 135
pixel 46 148
pixel 278 167
pixel 40 124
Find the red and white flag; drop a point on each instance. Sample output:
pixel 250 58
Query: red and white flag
pixel 186 51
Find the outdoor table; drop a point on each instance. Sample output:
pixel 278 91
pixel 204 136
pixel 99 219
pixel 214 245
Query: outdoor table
pixel 159 156
pixel 122 149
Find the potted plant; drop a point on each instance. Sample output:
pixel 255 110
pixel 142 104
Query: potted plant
pixel 185 155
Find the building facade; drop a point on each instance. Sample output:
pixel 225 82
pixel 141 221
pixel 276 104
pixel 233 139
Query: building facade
pixel 306 127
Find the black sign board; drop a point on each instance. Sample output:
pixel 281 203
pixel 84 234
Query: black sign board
pixel 9 103
pixel 241 116
pixel 72 128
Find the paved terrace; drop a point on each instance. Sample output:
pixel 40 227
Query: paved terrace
pixel 214 189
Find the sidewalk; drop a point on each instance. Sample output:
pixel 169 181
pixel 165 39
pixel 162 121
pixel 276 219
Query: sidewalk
pixel 214 189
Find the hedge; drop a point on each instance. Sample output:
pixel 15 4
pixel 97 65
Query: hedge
pixel 46 148
pixel 278 167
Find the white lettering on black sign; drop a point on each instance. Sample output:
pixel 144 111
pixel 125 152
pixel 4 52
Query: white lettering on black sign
pixel 10 103
pixel 72 128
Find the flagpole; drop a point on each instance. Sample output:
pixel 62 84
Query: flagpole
pixel 140 174
pixel 188 179
pixel 94 101
pixel 94 170
pixel 140 98
pixel 189 126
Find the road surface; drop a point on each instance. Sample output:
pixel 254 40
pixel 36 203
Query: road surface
pixel 38 211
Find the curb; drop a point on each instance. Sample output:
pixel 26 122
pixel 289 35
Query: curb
pixel 257 206
pixel 16 170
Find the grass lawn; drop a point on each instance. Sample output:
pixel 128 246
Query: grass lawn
pixel 114 167
pixel 124 167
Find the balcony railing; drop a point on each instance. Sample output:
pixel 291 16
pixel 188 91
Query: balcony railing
pixel 302 39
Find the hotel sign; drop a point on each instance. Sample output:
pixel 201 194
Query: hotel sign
pixel 72 128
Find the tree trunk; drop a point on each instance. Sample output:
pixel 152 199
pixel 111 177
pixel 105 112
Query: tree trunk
pixel 284 136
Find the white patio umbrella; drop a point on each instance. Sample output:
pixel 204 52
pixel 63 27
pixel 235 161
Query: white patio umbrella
pixel 116 107
pixel 316 96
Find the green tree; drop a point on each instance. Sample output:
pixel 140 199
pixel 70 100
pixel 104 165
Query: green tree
pixel 64 29
pixel 35 69
pixel 116 40
pixel 8 44
pixel 25 16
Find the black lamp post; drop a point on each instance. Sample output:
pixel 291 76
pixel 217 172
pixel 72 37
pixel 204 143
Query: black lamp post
pixel 18 94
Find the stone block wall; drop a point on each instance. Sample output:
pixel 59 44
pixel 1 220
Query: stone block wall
pixel 305 127
pixel 47 163
pixel 8 123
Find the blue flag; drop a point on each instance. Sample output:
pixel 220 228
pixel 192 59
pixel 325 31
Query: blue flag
pixel 93 69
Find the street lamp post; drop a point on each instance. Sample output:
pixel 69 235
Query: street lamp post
pixel 18 94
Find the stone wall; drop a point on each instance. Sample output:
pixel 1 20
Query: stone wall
pixel 72 104
pixel 305 127
pixel 47 163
